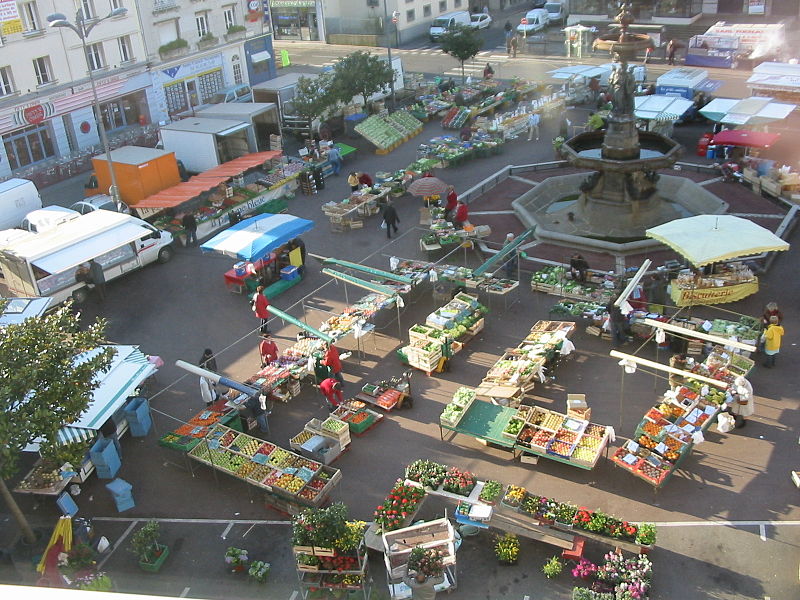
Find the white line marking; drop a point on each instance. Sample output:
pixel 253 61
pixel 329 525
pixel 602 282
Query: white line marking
pixel 762 533
pixel 249 530
pixel 118 543
pixel 199 521
pixel 224 535
pixel 493 212
pixel 725 523
pixel 293 596
pixel 184 592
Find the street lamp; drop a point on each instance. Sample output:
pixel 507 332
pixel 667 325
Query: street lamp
pixel 395 17
pixel 82 28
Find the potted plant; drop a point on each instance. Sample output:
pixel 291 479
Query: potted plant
pixel 259 571
pixel 94 581
pixel 177 47
pixel 553 567
pixel 235 32
pixel 425 561
pixel 585 569
pixel 514 496
pixel 145 544
pixel 565 513
pixel 206 41
pixel 236 559
pixel 557 143
pixel 506 549
pixel 491 492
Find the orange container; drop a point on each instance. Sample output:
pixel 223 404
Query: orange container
pixel 141 172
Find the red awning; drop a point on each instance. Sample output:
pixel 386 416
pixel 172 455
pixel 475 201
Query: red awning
pixel 748 139
pixel 239 165
pixel 178 194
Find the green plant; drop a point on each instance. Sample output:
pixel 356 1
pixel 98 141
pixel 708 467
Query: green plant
pixel 144 542
pixel 176 44
pixel 236 28
pixel 506 548
pixel 352 537
pixel 491 491
pixel 553 567
pixel 646 535
pixel 259 570
pixel 208 37
pixel 428 473
pixel 309 560
pixel 565 512
pixel 80 557
pixel 462 43
pixel 95 582
pixel 426 561
pixel 235 557
pixel 320 526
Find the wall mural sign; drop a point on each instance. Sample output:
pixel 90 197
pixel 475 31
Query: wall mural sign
pixel 34 114
pixel 10 21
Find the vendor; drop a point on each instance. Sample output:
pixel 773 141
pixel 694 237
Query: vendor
pixel 461 216
pixel 365 179
pixel 465 133
pixel 333 362
pixel 578 267
pixel 677 361
pixel 452 202
pixel 332 390
pixel 268 350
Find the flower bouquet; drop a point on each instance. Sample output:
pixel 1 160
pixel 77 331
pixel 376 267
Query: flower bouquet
pixel 506 548
pixel 401 502
pixel 458 482
pixel 236 559
pixel 426 561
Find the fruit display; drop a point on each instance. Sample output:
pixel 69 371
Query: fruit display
pixel 43 476
pixel 560 448
pixel 265 448
pixel 584 454
pixel 552 421
pixel 388 399
pixel 245 444
pixel 357 418
pixel 541 438
pixel 526 435
pixel 652 472
pixel 259 472
pixel 280 458
pixel 290 483
pixel 227 438
pixel 595 430
pixel 301 438
pixel 513 428
pixel 334 425
pixel 567 436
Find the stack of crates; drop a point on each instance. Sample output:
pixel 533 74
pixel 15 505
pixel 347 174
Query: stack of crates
pixel 121 490
pixel 105 458
pixel 137 413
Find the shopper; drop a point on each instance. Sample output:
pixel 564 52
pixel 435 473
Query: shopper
pixel 461 216
pixel 260 304
pixel 208 361
pixel 352 181
pixel 617 324
pixel 513 47
pixel 332 390
pixel 452 202
pixel 190 226
pixel 98 278
pixel 488 71
pixel 333 362
pixel 770 310
pixel 208 391
pixel 512 259
pixel 257 405
pixel 672 48
pixel 677 361
pixel 365 179
pixel 772 341
pixel 268 350
pixel 335 158
pixel 656 290
pixel 390 219
pixel 594 88
pixel 533 125
pixel 743 404
pixel 578 267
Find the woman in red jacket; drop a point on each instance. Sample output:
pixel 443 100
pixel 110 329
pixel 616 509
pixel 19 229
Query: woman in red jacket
pixel 260 304
pixel 462 214
pixel 452 202
pixel 333 362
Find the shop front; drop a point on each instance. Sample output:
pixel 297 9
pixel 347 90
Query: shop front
pixel 185 86
pixel 297 19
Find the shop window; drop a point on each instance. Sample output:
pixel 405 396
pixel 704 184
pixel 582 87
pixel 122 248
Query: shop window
pixel 426 10
pixel 43 70
pixel 115 4
pixel 201 22
pixel 443 6
pixel 30 16
pixel 209 84
pixel 237 73
pixel 229 15
pixel 29 145
pixel 176 98
pixel 6 82
pixel 125 48
pixel 410 16
pixel 87 6
pixel 456 3
pixel 95 56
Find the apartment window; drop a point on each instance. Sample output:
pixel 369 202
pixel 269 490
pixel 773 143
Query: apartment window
pixel 6 83
pixel 115 4
pixel 410 16
pixel 426 10
pixel 125 50
pixel 229 15
pixel 237 73
pixel 95 56
pixel 443 6
pixel 201 22
pixel 456 3
pixel 87 6
pixel 44 72
pixel 30 16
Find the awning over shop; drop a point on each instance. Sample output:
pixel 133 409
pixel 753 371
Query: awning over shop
pixel 657 107
pixel 262 56
pixel 257 236
pixel 746 139
pixel 178 194
pixel 239 165
pixel 755 110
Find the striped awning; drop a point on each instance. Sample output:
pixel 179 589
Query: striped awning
pixel 70 435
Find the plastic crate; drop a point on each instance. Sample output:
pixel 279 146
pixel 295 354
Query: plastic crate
pixel 290 273
pixel 105 458
pixel 137 413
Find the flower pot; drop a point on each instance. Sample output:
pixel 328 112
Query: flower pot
pixel 155 566
pixel 563 525
pixel 507 563
pixel 238 568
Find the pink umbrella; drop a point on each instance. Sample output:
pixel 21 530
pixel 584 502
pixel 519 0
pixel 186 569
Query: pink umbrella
pixel 428 186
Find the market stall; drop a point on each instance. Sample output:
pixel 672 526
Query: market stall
pixel 711 239
pixel 266 243
pixel 660 112
pixel 686 82
pixel 509 125
pixel 322 441
pixel 575 80
pixel 449 151
pixel 746 112
pixel 460 276
pixel 386 132
pixel 556 280
pixel 780 81
pixel 350 212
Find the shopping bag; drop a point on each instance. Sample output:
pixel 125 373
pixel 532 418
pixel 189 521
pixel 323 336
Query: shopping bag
pixel 725 422
pixel 383 225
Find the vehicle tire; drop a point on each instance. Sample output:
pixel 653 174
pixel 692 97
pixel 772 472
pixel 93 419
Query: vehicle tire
pixel 80 295
pixel 165 254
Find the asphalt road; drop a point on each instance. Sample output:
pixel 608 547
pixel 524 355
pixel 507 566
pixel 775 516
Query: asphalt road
pixel 729 518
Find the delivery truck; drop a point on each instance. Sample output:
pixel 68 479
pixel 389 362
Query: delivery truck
pixel 203 143
pixel 52 264
pixel 18 197
pixel 141 172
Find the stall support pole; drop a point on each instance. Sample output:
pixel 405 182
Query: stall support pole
pixel 621 397
pixel 399 327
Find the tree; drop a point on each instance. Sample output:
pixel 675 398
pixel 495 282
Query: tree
pixel 462 43
pixel 361 74
pixel 313 96
pixel 43 387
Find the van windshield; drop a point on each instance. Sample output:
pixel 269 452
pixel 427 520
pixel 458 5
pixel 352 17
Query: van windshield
pixel 443 23
pixel 217 98
pixel 553 7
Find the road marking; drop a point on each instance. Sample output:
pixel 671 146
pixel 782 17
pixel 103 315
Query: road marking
pixel 293 596
pixel 762 533
pixel 249 530
pixel 118 543
pixel 493 212
pixel 224 535
pixel 185 592
pixel 726 523
pixel 198 521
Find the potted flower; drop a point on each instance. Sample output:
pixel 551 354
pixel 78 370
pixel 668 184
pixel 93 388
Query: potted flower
pixel 532 505
pixel 145 545
pixel 94 581
pixel 259 571
pixel 585 569
pixel 491 492
pixel 425 561
pixel 458 482
pixel 553 567
pixel 564 514
pixel 236 559
pixel 506 549
pixel 514 496
pixel 549 507
pixel 646 536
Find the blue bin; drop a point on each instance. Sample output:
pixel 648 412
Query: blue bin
pixel 105 458
pixel 121 491
pixel 289 273
pixel 137 413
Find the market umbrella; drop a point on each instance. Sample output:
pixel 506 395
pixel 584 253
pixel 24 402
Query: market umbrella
pixel 746 139
pixel 755 110
pixel 706 239
pixel 257 236
pixel 428 186
pixel 657 107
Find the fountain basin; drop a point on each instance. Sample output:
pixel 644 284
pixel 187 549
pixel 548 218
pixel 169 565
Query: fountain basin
pixel 655 152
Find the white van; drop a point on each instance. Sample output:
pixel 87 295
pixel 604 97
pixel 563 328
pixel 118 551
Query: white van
pixel 50 264
pixel 557 12
pixel 444 23
pixel 18 197
pixel 48 217
pixel 533 21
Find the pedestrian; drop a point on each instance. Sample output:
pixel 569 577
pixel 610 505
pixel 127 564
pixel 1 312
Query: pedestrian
pixel 563 127
pixel 465 133
pixel 533 125
pixel 335 158
pixel 190 226
pixel 743 403
pixel 390 219
pixel 257 406
pixel 672 48
pixel 771 309
pixel 772 341
pixel 578 267
pixel 594 88
pixel 677 361
pixel 452 203
pixel 513 46
pixel 509 29
pixel 488 71
pixel 268 350
pixel 352 180
pixel 334 363
pixel 98 278
pixel 485 9
pixel 365 180
pixel 208 391
pixel 208 361
pixel 260 303
pixel 617 324
pixel 461 216
pixel 656 291
pixel 422 587
pixel 332 390
pixel 511 259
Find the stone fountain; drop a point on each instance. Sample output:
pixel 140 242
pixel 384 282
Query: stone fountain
pixel 624 195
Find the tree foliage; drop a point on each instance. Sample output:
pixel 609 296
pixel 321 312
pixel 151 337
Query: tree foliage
pixel 313 96
pixel 462 43
pixel 361 74
pixel 42 386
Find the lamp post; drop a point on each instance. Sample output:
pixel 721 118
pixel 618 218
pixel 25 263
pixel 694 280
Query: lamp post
pixel 82 28
pixel 395 17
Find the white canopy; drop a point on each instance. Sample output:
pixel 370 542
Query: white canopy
pixel 581 71
pixel 657 107
pixel 756 110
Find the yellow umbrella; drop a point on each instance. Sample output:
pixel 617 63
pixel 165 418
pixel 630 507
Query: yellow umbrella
pixel 63 532
pixel 707 239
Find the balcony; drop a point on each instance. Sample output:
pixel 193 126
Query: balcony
pixel 162 6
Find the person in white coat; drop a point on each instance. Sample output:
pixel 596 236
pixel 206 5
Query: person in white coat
pixel 743 404
pixel 208 392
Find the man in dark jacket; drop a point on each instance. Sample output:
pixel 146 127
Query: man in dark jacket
pixel 390 218
pixel 98 278
pixel 190 225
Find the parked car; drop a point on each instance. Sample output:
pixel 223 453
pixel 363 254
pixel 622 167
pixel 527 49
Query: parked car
pixel 481 21
pixel 101 201
pixel 48 217
pixel 235 93
pixel 533 21
pixel 556 12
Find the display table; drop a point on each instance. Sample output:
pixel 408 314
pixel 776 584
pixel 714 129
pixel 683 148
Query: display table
pixel 713 295
pixel 483 421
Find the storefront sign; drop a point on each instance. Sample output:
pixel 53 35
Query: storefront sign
pixel 293 3
pixel 254 9
pixel 715 295
pixel 188 69
pixel 9 18
pixel 756 7
pixel 34 114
